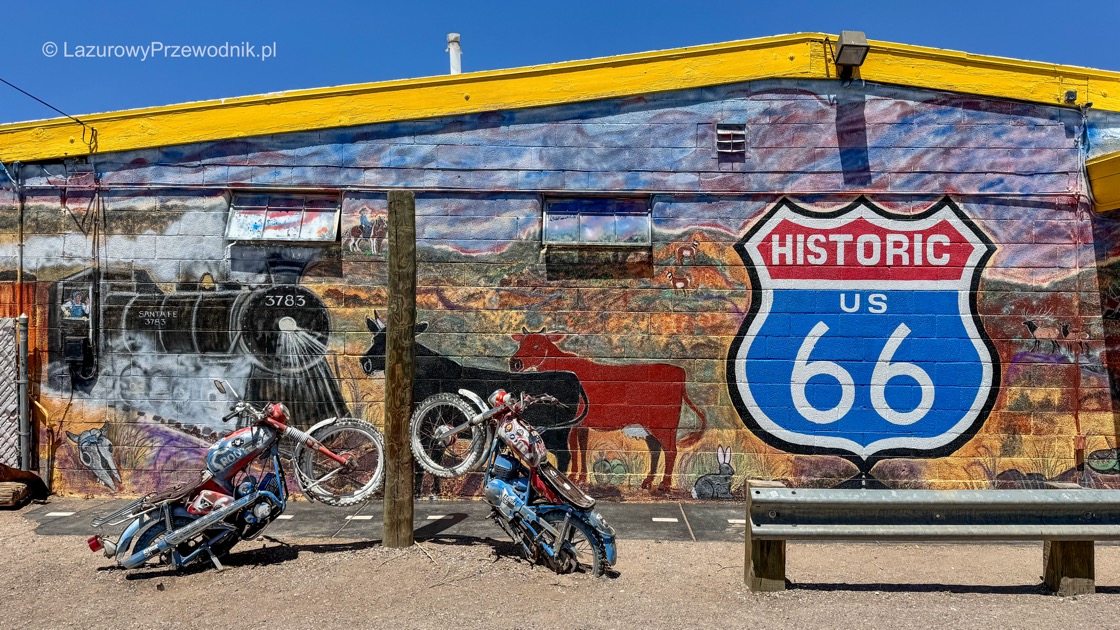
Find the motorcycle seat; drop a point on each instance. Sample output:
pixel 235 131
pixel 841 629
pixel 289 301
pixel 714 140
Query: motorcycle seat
pixel 175 492
pixel 565 487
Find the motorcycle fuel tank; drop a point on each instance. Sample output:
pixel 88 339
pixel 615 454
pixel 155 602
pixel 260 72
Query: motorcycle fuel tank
pixel 524 441
pixel 225 455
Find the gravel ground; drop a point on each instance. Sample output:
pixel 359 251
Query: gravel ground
pixel 55 582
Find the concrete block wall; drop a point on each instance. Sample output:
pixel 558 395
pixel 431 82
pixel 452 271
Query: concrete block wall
pixel 655 328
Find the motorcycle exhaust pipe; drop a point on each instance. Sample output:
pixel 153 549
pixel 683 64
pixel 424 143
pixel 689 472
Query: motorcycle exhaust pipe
pixel 173 539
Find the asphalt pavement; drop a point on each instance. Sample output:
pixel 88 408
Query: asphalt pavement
pixel 670 521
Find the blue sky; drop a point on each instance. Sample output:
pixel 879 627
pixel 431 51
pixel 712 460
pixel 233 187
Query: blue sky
pixel 333 43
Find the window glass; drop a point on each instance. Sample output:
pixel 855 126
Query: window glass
pixel 597 228
pixel 282 225
pixel 245 224
pixel 283 217
pixel 561 228
pixel 597 221
pixel 318 226
pixel 632 228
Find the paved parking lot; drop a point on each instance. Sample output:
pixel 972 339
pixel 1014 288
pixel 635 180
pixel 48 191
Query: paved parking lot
pixel 636 521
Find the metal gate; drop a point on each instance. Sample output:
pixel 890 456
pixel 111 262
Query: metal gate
pixel 9 393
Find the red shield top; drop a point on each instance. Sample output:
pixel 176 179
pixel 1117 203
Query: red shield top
pixel 864 249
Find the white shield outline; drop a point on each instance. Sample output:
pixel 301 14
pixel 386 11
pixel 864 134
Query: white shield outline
pixel 762 296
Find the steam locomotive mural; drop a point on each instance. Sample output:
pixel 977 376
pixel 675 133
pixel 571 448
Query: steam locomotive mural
pixel 159 350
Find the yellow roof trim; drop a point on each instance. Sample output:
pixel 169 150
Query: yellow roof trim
pixel 800 56
pixel 1104 179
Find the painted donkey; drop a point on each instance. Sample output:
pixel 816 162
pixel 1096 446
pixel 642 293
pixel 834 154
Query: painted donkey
pixel 642 400
pixel 437 374
pixel 96 453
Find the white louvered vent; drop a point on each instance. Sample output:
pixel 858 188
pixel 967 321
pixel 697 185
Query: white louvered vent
pixel 731 140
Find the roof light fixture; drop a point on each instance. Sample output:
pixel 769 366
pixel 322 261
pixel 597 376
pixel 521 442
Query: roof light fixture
pixel 851 51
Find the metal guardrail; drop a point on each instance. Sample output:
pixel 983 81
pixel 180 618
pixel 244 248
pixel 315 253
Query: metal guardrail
pixel 820 514
pixel 1068 520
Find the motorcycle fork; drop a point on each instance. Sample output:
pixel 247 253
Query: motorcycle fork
pixel 517 527
pixel 281 478
pixel 561 535
pixel 516 531
pixel 172 555
pixel 166 510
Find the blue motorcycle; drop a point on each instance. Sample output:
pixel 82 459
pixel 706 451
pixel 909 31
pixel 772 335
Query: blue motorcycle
pixel 550 518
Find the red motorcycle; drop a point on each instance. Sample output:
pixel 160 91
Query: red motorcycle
pixel 243 489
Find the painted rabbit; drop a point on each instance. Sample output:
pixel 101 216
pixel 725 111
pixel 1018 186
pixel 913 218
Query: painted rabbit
pixel 716 485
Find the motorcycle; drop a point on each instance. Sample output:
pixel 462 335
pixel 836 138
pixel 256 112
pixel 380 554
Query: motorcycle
pixel 541 509
pixel 338 461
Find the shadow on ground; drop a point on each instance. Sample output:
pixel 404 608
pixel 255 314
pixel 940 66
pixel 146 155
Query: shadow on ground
pixel 279 553
pixel 1037 589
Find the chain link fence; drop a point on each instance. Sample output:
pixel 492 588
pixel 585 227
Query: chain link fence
pixel 9 393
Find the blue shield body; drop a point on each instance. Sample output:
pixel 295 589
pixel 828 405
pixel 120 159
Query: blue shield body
pixel 862 337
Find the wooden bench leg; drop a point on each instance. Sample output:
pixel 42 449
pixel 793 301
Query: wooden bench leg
pixel 1069 567
pixel 766 565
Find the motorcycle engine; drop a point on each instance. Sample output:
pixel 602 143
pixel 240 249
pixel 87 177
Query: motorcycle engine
pixel 505 468
pixel 505 496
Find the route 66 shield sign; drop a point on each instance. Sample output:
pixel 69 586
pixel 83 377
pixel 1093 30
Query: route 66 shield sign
pixel 862 339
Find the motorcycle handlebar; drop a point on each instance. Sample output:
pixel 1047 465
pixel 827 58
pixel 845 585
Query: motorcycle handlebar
pixel 242 408
pixel 518 404
pixel 527 400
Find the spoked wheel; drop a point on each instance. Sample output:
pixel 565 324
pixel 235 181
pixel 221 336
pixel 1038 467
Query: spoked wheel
pixel 580 549
pixel 325 480
pixel 158 529
pixel 438 447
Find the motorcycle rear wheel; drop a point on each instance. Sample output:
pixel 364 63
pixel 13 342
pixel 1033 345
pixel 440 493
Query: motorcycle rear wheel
pixel 158 529
pixel 438 451
pixel 345 436
pixel 580 550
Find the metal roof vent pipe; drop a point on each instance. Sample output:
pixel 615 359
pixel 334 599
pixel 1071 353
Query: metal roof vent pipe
pixel 456 52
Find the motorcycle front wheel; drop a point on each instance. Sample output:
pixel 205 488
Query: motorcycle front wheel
pixel 579 551
pixel 438 448
pixel 325 480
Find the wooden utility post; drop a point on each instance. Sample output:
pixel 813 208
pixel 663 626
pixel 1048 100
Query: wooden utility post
pixel 400 369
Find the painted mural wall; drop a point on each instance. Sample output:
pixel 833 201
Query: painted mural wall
pixel 886 288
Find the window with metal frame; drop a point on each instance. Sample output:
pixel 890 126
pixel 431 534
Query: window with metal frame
pixel 261 216
pixel 611 221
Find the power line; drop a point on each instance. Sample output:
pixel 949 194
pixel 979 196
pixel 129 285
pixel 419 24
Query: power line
pixel 91 143
pixel 30 95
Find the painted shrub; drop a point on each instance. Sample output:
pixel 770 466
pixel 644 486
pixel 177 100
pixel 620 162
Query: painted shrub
pixel 888 287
